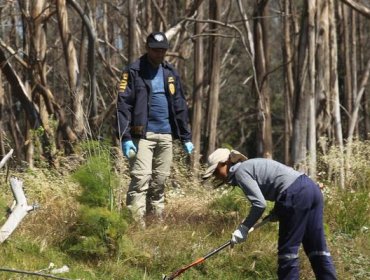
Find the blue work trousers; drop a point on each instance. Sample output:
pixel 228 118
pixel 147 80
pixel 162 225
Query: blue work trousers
pixel 300 212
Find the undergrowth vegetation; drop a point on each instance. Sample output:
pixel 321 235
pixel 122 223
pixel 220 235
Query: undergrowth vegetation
pixel 99 229
pixel 83 224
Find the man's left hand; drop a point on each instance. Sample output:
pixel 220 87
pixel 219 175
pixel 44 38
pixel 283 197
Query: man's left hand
pixel 188 147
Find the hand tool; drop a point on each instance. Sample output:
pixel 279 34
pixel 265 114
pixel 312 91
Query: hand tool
pixel 213 252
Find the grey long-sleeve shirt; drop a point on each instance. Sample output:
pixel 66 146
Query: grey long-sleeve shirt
pixel 261 179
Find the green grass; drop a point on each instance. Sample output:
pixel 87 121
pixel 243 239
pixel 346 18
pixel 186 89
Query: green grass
pixel 197 221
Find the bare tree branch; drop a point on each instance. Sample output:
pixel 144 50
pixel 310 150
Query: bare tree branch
pixel 359 7
pixel 14 54
pixel 353 122
pixel 5 159
pixel 20 90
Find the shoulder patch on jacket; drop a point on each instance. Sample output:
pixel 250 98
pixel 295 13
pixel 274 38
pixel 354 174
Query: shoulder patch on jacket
pixel 171 85
pixel 123 82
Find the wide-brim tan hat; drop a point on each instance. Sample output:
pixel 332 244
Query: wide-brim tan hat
pixel 222 155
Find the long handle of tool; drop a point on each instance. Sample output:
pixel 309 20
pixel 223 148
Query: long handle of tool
pixel 215 251
pixel 228 243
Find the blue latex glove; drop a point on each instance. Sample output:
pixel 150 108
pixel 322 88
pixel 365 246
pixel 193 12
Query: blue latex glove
pixel 188 147
pixel 127 146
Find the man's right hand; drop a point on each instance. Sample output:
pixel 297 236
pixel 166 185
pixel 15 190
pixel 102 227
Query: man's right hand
pixel 127 146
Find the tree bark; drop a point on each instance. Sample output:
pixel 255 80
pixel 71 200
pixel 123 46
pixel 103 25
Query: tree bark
pixel 359 7
pixel 334 90
pixel 299 138
pixel 261 65
pixel 354 116
pixel 348 93
pixel 2 130
pixel 73 72
pixel 6 158
pixel 354 58
pixel 38 74
pixel 132 26
pixel 357 103
pixel 20 91
pixel 88 23
pixel 214 85
pixel 362 54
pixel 289 80
pixel 312 88
pixel 196 122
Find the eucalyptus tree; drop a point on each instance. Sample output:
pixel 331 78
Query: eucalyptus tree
pixel 270 78
pixel 75 89
pixel 214 78
pixel 198 88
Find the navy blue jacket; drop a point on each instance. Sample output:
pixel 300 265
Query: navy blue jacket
pixel 134 97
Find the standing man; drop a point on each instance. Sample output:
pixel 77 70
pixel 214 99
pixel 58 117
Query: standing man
pixel 298 208
pixel 151 111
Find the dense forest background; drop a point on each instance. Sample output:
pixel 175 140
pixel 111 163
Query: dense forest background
pixel 282 79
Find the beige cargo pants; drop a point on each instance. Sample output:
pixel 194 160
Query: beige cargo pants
pixel 149 171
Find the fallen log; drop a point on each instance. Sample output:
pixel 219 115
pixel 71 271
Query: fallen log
pixel 18 212
pixel 20 207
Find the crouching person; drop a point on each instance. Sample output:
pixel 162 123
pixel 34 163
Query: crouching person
pixel 298 208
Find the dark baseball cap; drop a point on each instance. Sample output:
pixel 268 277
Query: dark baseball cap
pixel 157 40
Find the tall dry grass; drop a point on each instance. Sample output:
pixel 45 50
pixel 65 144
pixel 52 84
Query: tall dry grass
pixel 198 218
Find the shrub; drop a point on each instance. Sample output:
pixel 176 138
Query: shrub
pixel 96 180
pixel 355 163
pixel 105 224
pixel 99 228
pixel 352 211
pixel 231 201
pixel 97 234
